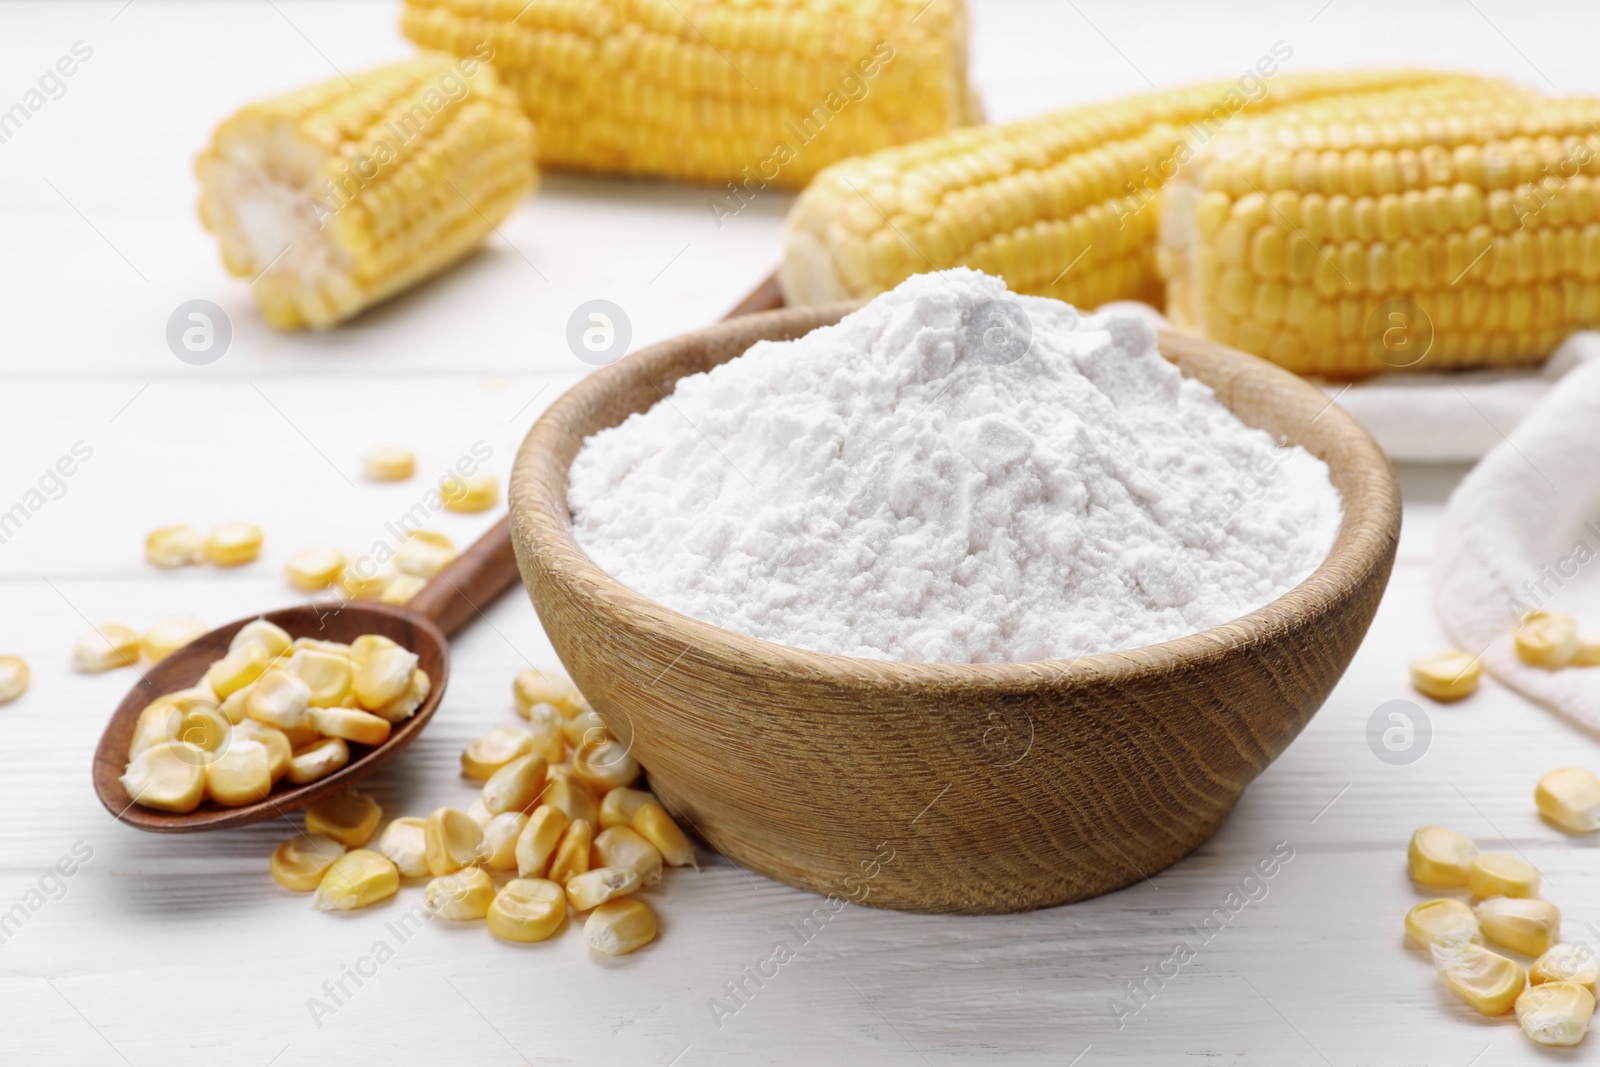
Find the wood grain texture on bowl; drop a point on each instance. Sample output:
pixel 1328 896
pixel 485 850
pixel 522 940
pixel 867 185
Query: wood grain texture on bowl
pixel 994 787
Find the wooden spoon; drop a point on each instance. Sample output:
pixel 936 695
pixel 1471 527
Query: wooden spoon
pixel 449 600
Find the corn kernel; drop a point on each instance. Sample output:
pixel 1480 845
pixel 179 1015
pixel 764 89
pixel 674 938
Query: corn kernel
pixel 1441 922
pixel 619 805
pixel 619 927
pixel 1525 925
pixel 572 855
pixel 301 862
pixel 363 579
pixel 549 739
pixel 162 639
pixel 406 705
pixel 586 728
pixel 1566 963
pixel 303 735
pixel 105 648
pixel 174 546
pixel 14 677
pixel 192 721
pixel 462 896
pixel 481 759
pixel 1440 857
pixel 653 824
pixel 314 567
pixel 1555 1013
pixel 273 640
pixel 622 846
pixel 328 674
pixel 279 751
pixel 163 777
pixel 469 493
pixel 571 796
pixel 382 670
pixel 348 817
pixel 405 842
pixel 388 463
pixel 453 841
pixel 538 839
pixel 357 879
pixel 233 543
pixel 400 588
pixel 1446 675
pixel 1486 980
pixel 352 724
pixel 1496 875
pixel 156 722
pixel 235 708
pixel 527 909
pixel 312 644
pixel 600 884
pixel 478 813
pixel 1570 798
pixel 540 687
pixel 236 670
pixel 605 766
pixel 317 760
pixel 500 840
pixel 424 553
pixel 1547 639
pixel 242 774
pixel 278 699
pixel 516 786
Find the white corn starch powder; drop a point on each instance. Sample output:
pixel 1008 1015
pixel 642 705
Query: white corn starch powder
pixel 920 483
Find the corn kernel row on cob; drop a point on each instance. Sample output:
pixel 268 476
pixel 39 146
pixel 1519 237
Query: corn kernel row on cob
pixel 706 90
pixel 1058 205
pixel 339 195
pixel 1429 236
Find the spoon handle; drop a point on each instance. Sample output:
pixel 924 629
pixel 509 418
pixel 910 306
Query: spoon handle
pixel 471 582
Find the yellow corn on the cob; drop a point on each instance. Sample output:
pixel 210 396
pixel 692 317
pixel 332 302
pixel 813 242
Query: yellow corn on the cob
pixel 339 195
pixel 754 93
pixel 1059 205
pixel 1424 234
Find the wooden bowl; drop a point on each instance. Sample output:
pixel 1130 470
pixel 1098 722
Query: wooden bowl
pixel 944 787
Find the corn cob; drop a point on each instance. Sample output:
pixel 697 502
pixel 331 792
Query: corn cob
pixel 755 93
pixel 339 195
pixel 1428 235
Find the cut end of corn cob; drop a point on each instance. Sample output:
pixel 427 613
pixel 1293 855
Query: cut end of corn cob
pixel 342 194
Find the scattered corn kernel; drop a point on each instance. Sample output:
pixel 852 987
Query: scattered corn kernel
pixel 500 840
pixel 1440 857
pixel 605 766
pixel 317 760
pixel 424 553
pixel 621 846
pixel 357 879
pixel 363 579
pixel 1547 639
pixel 619 927
pixel 472 492
pixel 527 909
pixel 585 728
pixel 516 786
pixel 653 823
pixel 1446 675
pixel 1522 924
pixel 280 753
pixel 400 588
pixel 236 670
pixel 279 699
pixel 327 673
pixel 162 777
pixel 406 705
pixel 572 855
pixel 1441 922
pixel 494 750
pixel 1566 963
pixel 105 648
pixel 478 812
pixel 453 840
pixel 314 567
pixel 352 724
pixel 571 796
pixel 540 687
pixel 14 677
pixel 538 839
pixel 549 739
pixel 164 638
pixel 174 546
pixel 156 722
pixel 273 639
pixel 1496 875
pixel 464 895
pixel 300 862
pixel 200 730
pixel 233 543
pixel 388 463
pixel 348 817
pixel 600 884
pixel 382 670
pixel 405 842
pixel 619 804
pixel 1555 1013
pixel 1486 980
pixel 1570 798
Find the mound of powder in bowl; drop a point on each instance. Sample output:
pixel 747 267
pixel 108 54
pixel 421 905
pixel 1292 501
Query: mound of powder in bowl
pixel 920 482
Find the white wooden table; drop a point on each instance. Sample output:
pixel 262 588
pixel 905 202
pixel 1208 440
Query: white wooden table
pixel 169 951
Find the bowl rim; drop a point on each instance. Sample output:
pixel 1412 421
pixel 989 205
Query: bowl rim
pixel 545 543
